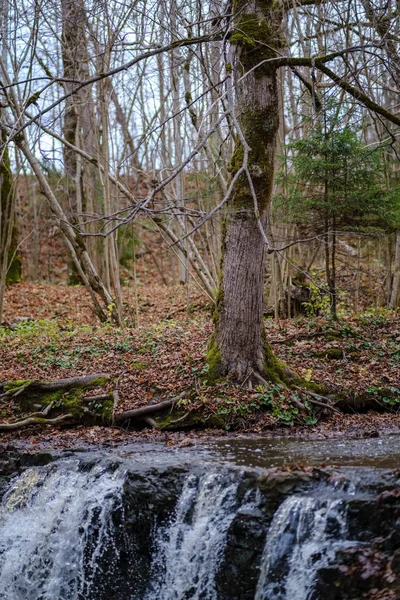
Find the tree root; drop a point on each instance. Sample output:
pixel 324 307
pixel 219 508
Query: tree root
pixel 63 402
pixel 35 421
pixel 146 411
pixel 85 381
pixel 316 399
pixel 58 401
pixel 303 336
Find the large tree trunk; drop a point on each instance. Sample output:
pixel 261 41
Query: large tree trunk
pixel 238 348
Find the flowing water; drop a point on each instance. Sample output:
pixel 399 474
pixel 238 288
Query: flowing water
pixel 143 526
pixel 193 543
pixel 47 548
pixel 303 532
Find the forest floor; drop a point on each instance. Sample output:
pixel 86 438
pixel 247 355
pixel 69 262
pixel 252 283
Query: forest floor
pixel 49 332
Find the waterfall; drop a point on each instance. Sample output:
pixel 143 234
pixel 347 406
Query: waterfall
pixel 191 547
pixel 89 530
pixel 301 537
pixel 53 524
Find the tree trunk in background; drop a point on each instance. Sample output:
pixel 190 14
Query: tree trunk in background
pixel 395 292
pixel 238 348
pixel 6 220
pixel 78 127
pixel 10 262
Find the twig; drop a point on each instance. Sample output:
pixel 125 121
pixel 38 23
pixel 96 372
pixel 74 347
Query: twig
pixel 297 402
pixel 42 413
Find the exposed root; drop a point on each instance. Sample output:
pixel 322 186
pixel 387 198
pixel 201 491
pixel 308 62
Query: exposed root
pixel 316 399
pixel 259 378
pixel 85 381
pixel 172 424
pixel 35 421
pixel 55 402
pixel 145 411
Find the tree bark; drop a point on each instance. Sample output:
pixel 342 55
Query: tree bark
pixel 395 291
pixel 78 126
pixel 10 262
pixel 238 348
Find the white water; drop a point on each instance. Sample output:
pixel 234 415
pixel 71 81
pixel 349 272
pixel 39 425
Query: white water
pixel 301 537
pixel 191 548
pixel 46 519
pixel 56 523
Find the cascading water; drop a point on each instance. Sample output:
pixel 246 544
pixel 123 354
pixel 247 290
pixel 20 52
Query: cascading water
pixel 302 535
pixel 77 530
pixel 47 517
pixel 190 549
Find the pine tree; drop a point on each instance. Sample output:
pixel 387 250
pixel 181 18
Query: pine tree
pixel 335 184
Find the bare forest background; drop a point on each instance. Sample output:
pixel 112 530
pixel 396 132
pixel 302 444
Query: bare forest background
pixel 119 122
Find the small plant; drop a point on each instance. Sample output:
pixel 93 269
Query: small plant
pixel 281 408
pixel 319 303
pixel 390 396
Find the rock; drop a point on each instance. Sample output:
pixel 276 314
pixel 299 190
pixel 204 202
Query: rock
pixel 279 483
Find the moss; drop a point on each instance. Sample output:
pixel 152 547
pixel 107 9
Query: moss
pixel 71 402
pixel 334 353
pixel 199 420
pixel 107 413
pixel 13 386
pixel 50 397
pixel 275 369
pixel 312 386
pixel 6 200
pixel 211 420
pixel 99 381
pixel 214 361
pixel 259 38
pixel 34 98
pixel 14 272
pixel 165 421
pixel 139 366
pixel 259 126
pixel 104 410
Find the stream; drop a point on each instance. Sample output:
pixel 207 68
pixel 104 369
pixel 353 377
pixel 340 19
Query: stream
pixel 234 519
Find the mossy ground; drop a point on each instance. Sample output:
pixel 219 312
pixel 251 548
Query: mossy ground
pixel 172 356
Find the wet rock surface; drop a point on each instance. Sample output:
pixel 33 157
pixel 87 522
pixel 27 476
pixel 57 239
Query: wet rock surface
pixel 158 507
